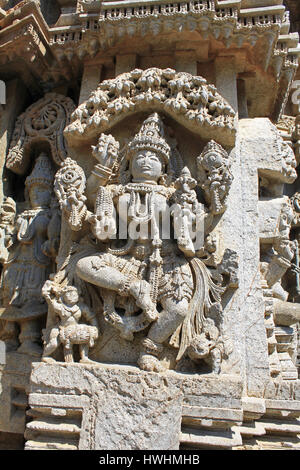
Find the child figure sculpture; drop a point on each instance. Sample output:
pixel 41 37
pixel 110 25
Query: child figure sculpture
pixel 64 305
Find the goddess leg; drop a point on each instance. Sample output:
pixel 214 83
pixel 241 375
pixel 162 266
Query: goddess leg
pixel 92 269
pixel 169 320
pixel 173 314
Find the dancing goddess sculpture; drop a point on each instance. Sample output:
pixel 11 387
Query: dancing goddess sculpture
pixel 153 280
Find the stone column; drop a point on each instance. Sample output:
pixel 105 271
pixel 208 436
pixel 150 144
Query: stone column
pixel 125 63
pixel 90 80
pixel 258 144
pixel 16 96
pixel 226 79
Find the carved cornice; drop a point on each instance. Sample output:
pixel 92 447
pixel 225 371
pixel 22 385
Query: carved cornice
pixel 101 28
pixel 26 40
pixel 186 98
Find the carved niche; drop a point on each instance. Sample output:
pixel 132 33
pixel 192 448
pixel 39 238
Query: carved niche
pixel 138 265
pixel 30 229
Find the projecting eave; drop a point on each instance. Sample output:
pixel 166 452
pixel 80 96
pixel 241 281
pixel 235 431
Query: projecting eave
pixel 256 37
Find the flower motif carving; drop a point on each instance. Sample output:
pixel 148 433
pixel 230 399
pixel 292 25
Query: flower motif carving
pixel 184 97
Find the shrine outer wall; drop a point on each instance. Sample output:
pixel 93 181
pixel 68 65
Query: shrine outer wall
pixel 251 246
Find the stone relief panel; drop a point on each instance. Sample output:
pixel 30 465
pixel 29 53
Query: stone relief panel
pixel 118 247
pixel 137 259
pixel 30 229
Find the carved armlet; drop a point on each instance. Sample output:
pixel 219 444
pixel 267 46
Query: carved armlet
pixel 102 172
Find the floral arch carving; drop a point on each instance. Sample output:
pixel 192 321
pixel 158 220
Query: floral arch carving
pixel 188 99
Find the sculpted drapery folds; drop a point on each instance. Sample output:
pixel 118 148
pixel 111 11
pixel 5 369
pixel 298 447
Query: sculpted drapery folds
pixel 143 256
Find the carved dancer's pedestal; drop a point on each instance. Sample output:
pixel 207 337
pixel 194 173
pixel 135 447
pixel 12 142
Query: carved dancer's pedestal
pixel 108 407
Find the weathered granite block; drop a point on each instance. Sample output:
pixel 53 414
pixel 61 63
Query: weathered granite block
pixel 14 381
pixel 126 408
pixel 118 407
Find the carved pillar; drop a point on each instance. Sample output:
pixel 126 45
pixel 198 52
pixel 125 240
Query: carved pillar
pixel 226 79
pixel 125 63
pixel 90 79
pixel 255 339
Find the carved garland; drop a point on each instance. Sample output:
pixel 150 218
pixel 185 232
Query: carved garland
pixel 186 98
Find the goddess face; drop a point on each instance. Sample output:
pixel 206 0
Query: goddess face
pixel 39 196
pixel 146 165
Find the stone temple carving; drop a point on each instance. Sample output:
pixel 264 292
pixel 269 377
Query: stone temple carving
pixel 64 305
pixel 215 176
pixel 149 225
pixel 28 259
pixel 43 121
pixel 149 282
pixel 178 94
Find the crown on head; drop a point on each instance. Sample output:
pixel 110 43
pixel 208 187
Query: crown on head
pixel 186 178
pixel 42 172
pixel 9 205
pixel 151 137
pixel 214 147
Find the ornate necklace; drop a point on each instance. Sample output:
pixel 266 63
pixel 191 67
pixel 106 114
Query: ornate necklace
pixel 141 216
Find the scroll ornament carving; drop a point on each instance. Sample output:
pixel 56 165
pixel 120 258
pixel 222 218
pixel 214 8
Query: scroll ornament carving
pixel 43 122
pixel 289 162
pixel 29 245
pixel 214 176
pixel 7 219
pixel 167 288
pixel 183 96
pixel 70 184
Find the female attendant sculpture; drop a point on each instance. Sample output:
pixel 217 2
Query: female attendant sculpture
pixel 29 261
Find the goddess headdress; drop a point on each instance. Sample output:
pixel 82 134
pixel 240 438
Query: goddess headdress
pixel 42 173
pixel 150 137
